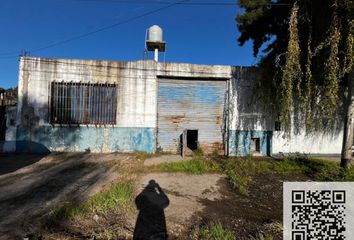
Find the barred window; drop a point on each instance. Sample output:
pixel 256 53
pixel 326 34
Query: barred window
pixel 83 103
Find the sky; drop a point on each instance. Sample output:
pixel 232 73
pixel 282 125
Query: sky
pixel 200 34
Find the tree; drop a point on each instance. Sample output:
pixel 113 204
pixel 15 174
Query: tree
pixel 306 56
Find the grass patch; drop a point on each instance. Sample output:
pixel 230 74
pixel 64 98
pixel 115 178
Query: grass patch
pixel 317 169
pixel 118 195
pixel 195 166
pixel 240 169
pixel 213 231
pixel 238 181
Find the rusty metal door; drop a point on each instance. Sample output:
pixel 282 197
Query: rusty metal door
pixel 190 104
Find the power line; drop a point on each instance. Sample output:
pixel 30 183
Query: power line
pixel 183 3
pixel 161 2
pixel 169 5
pixel 102 28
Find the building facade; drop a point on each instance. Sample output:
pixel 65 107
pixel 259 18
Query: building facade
pixel 108 106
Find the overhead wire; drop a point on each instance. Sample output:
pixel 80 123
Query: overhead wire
pixel 101 29
pixel 170 4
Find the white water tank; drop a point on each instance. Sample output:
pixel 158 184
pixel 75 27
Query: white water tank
pixel 155 34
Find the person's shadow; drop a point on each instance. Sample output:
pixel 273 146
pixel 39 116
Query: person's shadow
pixel 151 222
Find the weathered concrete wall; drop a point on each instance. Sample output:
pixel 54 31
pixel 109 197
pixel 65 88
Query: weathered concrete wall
pixel 136 108
pixel 320 143
pixel 248 117
pixel 244 115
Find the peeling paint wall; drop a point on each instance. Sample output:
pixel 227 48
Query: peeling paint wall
pixel 248 116
pixel 240 142
pixel 243 116
pixel 136 108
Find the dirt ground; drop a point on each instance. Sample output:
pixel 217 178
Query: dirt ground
pixel 29 193
pixel 30 186
pixel 186 194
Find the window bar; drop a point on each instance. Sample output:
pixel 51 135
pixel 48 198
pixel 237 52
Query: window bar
pixel 92 106
pixel 69 103
pixel 111 105
pixel 104 103
pixel 101 102
pixel 73 91
pixel 82 110
pixel 95 105
pixel 115 107
pixel 86 104
pixel 52 102
pixel 65 102
pixel 98 104
pixel 78 94
pixel 60 96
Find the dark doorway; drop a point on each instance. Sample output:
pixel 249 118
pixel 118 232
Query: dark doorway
pixel 255 146
pixel 192 139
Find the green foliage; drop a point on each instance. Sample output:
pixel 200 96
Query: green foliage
pixel 117 195
pixel 213 231
pixel 302 71
pixel 290 81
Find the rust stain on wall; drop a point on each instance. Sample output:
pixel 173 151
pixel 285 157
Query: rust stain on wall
pixel 218 119
pixel 177 118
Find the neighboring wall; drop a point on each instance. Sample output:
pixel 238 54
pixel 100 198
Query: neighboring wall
pixel 249 119
pixel 136 111
pixel 316 144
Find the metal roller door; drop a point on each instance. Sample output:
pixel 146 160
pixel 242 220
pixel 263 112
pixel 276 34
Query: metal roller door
pixel 190 104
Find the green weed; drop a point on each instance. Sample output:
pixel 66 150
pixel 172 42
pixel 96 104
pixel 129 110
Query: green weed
pixel 238 181
pixel 195 166
pixel 117 195
pixel 213 231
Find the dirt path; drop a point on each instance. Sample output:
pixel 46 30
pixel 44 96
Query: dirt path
pixel 32 191
pixel 185 195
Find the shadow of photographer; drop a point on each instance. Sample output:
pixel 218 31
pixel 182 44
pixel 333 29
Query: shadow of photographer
pixel 151 222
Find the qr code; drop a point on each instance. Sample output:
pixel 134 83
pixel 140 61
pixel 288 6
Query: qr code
pixel 316 212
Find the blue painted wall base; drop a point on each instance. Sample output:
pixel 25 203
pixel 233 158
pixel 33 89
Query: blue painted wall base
pixel 81 138
pixel 240 142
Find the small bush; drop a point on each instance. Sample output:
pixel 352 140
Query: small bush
pixel 213 231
